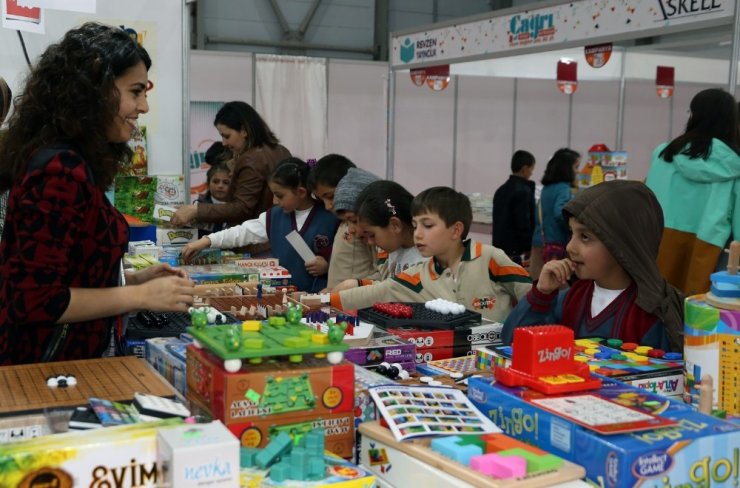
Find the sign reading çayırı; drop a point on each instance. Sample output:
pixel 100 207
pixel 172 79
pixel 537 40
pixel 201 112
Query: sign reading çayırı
pixel 584 21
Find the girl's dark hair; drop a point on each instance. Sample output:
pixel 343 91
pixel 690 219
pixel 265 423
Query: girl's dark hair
pixel 215 168
pixel 381 200
pixel 241 115
pixel 713 116
pixel 216 153
pixel 291 173
pixel 560 167
pixel 70 96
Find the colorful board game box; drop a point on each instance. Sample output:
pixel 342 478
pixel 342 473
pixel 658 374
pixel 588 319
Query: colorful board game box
pixel 167 356
pixel 712 347
pixel 699 451
pixel 310 388
pixel 387 348
pixel 486 333
pixel 124 456
pixel 218 273
pixel 339 474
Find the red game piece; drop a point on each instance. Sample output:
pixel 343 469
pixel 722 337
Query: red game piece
pixel 396 310
pixel 656 353
pixel 629 346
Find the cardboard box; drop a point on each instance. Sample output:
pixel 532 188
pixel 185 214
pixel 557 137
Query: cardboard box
pixel 176 237
pixel 699 451
pixel 167 356
pixel 486 333
pixel 196 455
pixel 324 388
pixel 386 348
pixel 218 273
pixel 124 456
pixel 339 431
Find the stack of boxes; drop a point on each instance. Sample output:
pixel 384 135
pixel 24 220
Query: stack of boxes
pixel 261 400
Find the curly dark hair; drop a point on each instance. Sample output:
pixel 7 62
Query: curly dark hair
pixel 70 96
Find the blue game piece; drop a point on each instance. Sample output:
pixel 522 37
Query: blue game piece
pixel 673 356
pixel 506 350
pixel 603 355
pixel 449 447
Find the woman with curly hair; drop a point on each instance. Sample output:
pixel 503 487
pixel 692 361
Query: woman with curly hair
pixel 63 241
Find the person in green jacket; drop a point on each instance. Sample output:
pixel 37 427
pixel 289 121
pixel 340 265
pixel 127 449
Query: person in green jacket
pixel 696 178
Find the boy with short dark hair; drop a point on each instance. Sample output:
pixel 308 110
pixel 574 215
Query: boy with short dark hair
pixel 513 208
pixel 351 256
pixel 476 275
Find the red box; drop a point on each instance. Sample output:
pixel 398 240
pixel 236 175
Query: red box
pixel 323 388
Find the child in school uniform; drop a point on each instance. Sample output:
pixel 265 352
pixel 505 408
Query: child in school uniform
pixel 479 276
pixel 294 209
pixel 217 179
pixel 352 257
pixel 383 211
pixel 620 292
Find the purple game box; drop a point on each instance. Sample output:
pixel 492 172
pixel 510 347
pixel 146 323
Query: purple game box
pixel 388 348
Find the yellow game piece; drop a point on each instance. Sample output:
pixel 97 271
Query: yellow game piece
pixel 593 367
pixel 591 352
pixel 641 359
pixel 571 378
pixel 251 326
pixel 582 359
pixel 553 380
pixel 643 350
pixel 279 379
pixel 628 395
pixel 585 343
pixel 320 339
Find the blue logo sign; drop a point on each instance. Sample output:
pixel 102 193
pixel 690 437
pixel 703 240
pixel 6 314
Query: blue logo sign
pixel 407 51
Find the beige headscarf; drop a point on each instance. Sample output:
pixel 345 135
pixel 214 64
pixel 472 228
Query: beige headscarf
pixel 5 99
pixel 627 218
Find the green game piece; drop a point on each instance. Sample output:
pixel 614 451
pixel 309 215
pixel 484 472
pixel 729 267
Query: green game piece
pixel 618 357
pixel 535 462
pixel 252 396
pixel 253 343
pixel 474 440
pixel 246 456
pixel 615 343
pixel 276 321
pixel 295 342
pixel 255 360
pixel 295 358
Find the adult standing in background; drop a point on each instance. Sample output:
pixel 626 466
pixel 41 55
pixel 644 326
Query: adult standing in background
pixel 60 257
pixel 256 151
pixel 513 209
pixel 696 178
pixel 551 232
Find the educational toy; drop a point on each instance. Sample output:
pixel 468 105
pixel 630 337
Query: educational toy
pixel 116 379
pixel 123 456
pixel 145 325
pixel 543 359
pixel 311 388
pixel 276 337
pixel 249 307
pixel 634 367
pixel 218 273
pixel 167 356
pixel 464 365
pixel 699 451
pixel 196 455
pixel 395 460
pixel 392 315
pixel 425 338
pixel 338 474
pixel 712 347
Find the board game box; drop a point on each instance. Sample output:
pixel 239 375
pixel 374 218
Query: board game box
pixel 699 451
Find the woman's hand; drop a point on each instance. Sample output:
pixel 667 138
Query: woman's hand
pixel 153 272
pixel 555 274
pixel 192 249
pixel 166 294
pixel 184 215
pixel 317 266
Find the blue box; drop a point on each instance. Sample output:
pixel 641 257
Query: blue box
pixel 700 451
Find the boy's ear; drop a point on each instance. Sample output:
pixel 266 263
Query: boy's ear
pixel 457 230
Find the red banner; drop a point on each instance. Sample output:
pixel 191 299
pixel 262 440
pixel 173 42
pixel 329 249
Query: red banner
pixel 665 81
pixel 567 76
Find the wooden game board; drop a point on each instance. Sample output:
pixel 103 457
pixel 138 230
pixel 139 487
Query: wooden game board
pixel 24 386
pixel 239 305
pixel 419 449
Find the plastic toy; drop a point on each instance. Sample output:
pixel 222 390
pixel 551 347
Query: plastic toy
pixel 276 337
pixel 199 318
pixel 393 315
pixel 543 360
pixel 336 331
pixel 301 461
pixel 725 291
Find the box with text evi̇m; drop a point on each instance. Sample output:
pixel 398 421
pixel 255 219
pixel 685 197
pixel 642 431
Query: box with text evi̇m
pixel 699 451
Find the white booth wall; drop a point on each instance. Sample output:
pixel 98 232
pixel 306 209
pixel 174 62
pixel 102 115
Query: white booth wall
pixel 495 116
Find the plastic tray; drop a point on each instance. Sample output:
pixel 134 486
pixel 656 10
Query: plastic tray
pixel 422 317
pixel 164 324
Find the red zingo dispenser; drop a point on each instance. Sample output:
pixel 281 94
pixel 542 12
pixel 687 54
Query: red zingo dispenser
pixel 542 359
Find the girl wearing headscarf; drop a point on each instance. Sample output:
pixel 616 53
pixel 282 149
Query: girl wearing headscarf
pixel 619 292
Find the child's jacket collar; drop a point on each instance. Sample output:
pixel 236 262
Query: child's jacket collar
pixel 471 250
